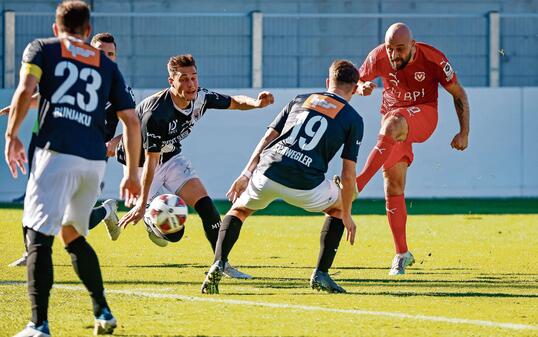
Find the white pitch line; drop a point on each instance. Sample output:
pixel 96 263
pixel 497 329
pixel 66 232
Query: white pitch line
pixel 482 323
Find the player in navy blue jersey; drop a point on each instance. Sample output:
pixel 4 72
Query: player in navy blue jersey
pixel 167 118
pixel 106 211
pixel 290 163
pixel 75 82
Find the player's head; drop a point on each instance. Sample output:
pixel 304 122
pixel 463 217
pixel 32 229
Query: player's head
pixel 399 45
pixel 106 43
pixel 183 77
pixel 343 75
pixel 73 18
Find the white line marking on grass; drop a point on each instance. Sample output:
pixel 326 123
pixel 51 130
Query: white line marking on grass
pixel 512 326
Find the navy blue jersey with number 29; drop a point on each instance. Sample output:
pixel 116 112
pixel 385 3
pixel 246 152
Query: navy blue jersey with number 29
pixel 312 128
pixel 75 83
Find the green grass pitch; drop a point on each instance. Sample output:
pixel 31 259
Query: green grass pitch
pixel 475 275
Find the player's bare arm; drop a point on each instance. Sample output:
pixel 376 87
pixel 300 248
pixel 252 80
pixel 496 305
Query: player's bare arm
pixel 461 103
pixel 348 194
pixel 148 172
pixel 112 145
pixel 130 185
pixel 241 102
pixel 365 88
pixel 241 183
pixel 14 152
pixel 34 103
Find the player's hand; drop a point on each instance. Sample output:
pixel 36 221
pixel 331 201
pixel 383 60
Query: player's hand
pixel 112 146
pixel 130 189
pixel 351 228
pixel 265 98
pixel 15 155
pixel 366 88
pixel 133 216
pixel 239 186
pixel 5 111
pixel 460 141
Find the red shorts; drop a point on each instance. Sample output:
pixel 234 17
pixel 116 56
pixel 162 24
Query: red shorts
pixel 422 121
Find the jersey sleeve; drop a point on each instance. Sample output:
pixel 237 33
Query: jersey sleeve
pixel 217 101
pixel 111 120
pixel 32 59
pixel 443 69
pixel 368 70
pixel 353 140
pixel 151 131
pixel 280 120
pixel 120 96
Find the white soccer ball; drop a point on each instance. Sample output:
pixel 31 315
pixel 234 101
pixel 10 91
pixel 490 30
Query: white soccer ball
pixel 168 213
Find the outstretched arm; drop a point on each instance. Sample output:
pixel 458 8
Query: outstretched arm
pixel 461 103
pixel 34 103
pixel 240 184
pixel 130 185
pixel 148 172
pixel 241 102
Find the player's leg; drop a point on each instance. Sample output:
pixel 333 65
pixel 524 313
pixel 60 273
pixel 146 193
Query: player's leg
pixel 42 217
pixel 106 212
pixel 324 197
pixel 195 195
pixel 258 195
pixel 394 181
pixel 394 129
pixel 228 235
pixel 83 257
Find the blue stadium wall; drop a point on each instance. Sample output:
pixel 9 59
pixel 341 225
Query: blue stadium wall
pixel 295 51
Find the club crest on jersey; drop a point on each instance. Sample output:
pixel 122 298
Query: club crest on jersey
pixel 420 76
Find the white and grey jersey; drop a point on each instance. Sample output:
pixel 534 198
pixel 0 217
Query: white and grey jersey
pixel 164 125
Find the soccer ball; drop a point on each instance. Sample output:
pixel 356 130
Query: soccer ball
pixel 167 213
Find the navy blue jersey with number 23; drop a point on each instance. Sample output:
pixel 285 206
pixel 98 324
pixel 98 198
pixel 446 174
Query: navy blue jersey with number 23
pixel 75 83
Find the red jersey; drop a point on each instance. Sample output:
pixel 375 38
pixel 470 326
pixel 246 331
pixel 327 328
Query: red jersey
pixel 416 83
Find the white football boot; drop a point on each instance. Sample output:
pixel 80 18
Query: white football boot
pixel 232 272
pixel 20 262
pixel 111 221
pixel 32 331
pixel 400 262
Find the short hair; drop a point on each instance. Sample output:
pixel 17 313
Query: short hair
pixel 73 16
pixel 103 37
pixel 344 72
pixel 178 61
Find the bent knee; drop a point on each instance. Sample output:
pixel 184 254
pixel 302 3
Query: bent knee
pixel 395 127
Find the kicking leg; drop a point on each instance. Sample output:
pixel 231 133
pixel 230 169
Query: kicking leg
pixel 394 129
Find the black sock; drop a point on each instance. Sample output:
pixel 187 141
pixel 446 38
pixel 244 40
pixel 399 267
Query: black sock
pixel 228 235
pixel 86 266
pixel 210 219
pixel 24 231
pixel 40 273
pixel 329 240
pixel 96 216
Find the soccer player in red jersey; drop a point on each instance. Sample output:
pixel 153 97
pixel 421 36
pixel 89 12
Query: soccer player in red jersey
pixel 411 72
